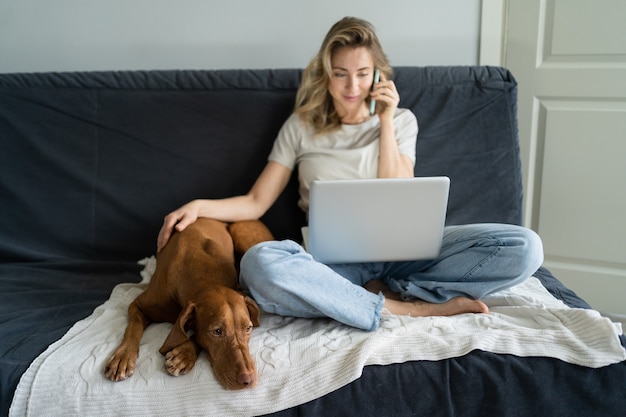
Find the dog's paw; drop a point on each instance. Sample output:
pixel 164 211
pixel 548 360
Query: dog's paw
pixel 181 359
pixel 120 366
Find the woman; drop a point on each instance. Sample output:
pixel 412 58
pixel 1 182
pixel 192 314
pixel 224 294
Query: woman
pixel 331 135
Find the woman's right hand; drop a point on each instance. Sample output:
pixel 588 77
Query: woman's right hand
pixel 179 219
pixel 253 205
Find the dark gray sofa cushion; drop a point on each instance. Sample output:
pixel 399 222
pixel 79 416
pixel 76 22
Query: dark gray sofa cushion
pixel 92 162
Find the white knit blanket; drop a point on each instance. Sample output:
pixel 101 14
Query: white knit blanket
pixel 298 360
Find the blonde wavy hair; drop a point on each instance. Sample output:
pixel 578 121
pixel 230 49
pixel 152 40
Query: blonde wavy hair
pixel 313 101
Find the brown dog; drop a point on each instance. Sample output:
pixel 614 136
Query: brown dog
pixel 193 287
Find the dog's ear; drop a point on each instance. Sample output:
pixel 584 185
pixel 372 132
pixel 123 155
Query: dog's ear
pixel 178 334
pixel 254 311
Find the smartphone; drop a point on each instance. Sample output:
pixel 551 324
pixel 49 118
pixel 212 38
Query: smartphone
pixel 373 102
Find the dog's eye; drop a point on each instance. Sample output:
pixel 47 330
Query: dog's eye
pixel 249 328
pixel 218 332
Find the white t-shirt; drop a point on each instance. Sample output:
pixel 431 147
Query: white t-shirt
pixel 349 152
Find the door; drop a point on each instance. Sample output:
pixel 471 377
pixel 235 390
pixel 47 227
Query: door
pixel 569 58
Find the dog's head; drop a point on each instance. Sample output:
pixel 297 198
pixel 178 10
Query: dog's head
pixel 222 320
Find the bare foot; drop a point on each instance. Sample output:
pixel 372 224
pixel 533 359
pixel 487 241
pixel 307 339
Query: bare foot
pixel 419 308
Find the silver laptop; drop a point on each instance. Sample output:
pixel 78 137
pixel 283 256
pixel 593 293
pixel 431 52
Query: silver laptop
pixel 370 220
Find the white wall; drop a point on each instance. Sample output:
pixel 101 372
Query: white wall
pixel 69 35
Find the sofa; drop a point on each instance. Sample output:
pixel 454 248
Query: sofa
pixel 92 161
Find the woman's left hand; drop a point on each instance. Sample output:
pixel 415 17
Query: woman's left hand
pixel 387 98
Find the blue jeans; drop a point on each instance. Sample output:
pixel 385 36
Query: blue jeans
pixel 475 260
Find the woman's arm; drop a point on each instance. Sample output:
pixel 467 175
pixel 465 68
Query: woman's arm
pixel 253 205
pixel 391 163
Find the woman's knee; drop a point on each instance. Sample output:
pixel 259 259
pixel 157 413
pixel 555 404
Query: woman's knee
pixel 525 251
pixel 519 249
pixel 264 260
pixel 526 240
pixel 534 250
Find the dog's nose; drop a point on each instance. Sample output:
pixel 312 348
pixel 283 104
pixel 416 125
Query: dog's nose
pixel 246 379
